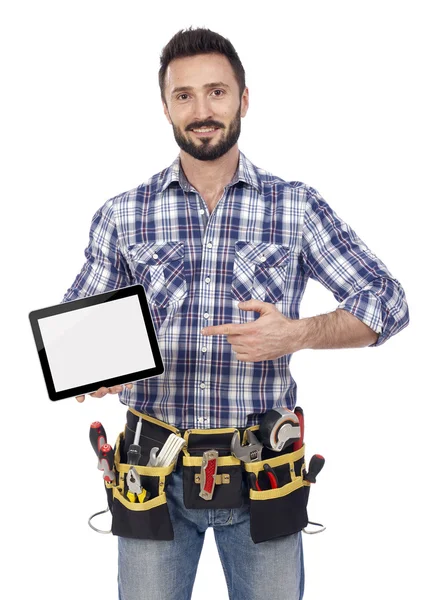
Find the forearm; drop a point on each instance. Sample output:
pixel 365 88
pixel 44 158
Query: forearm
pixel 338 329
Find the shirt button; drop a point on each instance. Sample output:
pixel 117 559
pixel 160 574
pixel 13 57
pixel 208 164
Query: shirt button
pixel 206 315
pixel 207 280
pixel 262 258
pixel 209 244
pixel 200 420
pixel 201 211
pixel 202 385
pixel 203 349
pixel 155 255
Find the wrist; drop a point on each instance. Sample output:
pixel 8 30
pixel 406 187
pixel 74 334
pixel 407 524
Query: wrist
pixel 300 334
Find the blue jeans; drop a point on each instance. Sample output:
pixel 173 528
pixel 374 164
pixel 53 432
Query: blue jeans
pixel 165 570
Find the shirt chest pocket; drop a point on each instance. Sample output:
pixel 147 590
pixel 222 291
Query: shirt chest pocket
pixel 259 271
pixel 159 266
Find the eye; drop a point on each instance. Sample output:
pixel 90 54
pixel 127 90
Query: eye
pixel 220 94
pixel 181 95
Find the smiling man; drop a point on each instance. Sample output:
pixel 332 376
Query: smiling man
pixel 204 102
pixel 224 251
pixel 207 139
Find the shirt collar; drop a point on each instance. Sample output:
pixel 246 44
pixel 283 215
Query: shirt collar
pixel 246 172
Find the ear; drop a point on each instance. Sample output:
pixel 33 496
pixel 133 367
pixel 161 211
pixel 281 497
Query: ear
pixel 245 102
pixel 166 112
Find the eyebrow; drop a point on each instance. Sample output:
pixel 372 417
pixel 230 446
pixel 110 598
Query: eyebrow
pixel 188 88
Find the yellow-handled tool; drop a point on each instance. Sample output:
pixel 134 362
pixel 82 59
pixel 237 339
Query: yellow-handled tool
pixel 135 491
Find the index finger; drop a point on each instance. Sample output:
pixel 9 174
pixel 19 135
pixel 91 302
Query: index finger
pixel 227 329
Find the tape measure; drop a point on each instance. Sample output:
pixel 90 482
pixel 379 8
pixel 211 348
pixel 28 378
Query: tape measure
pixel 279 428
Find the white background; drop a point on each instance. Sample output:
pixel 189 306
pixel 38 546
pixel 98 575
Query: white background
pixel 343 96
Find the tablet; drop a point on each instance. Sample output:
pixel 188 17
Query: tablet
pixel 102 340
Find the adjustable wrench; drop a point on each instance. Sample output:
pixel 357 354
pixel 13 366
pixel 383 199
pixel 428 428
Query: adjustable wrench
pixel 250 453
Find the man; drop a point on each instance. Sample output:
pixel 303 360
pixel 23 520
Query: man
pixel 224 251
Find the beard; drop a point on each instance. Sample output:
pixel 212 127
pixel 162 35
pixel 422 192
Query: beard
pixel 206 149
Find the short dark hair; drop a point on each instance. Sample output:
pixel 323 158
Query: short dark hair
pixel 192 42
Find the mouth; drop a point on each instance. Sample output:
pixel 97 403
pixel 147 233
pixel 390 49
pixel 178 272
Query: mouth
pixel 205 131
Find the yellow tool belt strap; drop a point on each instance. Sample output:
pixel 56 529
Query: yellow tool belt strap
pixel 150 419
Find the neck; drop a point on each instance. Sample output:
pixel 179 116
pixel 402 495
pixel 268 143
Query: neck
pixel 210 176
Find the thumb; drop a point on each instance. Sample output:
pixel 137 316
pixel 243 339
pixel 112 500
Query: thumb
pixel 256 305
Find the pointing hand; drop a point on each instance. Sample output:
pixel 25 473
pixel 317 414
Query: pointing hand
pixel 271 336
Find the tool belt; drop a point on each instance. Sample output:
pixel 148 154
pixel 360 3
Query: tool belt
pixel 273 512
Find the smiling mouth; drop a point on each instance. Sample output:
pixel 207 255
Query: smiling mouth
pixel 204 130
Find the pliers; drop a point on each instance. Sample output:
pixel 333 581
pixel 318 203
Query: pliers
pixel 271 476
pixel 134 487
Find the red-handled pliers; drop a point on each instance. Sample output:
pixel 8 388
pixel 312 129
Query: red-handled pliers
pixel 270 474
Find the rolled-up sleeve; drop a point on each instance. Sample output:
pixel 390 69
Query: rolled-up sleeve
pixel 105 268
pixel 335 256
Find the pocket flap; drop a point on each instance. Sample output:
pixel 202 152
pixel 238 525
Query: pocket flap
pixel 262 253
pixel 156 253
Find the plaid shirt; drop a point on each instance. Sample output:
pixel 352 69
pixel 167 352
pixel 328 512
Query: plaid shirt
pixel 263 240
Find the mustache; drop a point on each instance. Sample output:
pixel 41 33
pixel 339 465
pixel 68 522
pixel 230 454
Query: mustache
pixel 205 124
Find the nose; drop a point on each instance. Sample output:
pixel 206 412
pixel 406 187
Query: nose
pixel 202 109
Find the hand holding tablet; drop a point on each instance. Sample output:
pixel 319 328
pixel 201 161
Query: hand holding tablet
pixel 116 389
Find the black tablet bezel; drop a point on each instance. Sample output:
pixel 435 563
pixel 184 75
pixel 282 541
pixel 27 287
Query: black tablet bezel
pixel 133 290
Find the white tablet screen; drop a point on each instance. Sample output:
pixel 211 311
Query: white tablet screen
pixel 96 343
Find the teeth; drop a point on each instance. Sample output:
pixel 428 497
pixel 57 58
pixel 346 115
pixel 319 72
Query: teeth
pixel 204 130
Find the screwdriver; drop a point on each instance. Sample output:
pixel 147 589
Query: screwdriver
pixel 134 452
pixel 106 458
pixel 316 463
pixel 97 436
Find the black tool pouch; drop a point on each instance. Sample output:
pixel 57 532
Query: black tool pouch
pixel 283 510
pixel 228 491
pixel 149 519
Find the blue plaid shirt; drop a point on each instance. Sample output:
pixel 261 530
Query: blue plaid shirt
pixel 263 240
